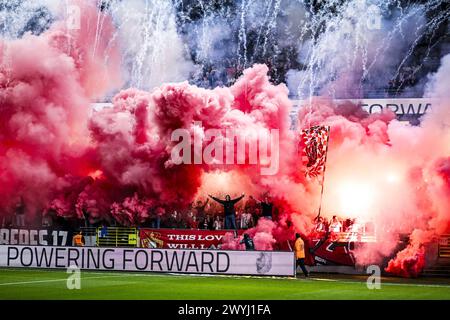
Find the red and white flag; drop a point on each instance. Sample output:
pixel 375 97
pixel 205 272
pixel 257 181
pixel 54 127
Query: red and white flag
pixel 314 148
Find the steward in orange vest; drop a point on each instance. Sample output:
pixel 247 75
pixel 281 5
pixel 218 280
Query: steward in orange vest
pixel 78 240
pixel 299 248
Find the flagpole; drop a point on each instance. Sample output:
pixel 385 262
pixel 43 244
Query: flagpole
pixel 323 176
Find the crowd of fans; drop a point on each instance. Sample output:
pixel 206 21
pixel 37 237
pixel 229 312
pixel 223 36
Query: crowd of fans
pixel 217 214
pixel 18 217
pixel 213 213
pixel 227 71
pixel 406 77
pixel 211 76
pixel 342 229
pixel 333 225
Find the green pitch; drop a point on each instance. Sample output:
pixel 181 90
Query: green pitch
pixel 51 284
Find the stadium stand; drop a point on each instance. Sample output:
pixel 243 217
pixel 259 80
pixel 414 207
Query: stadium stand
pixel 441 268
pixel 444 246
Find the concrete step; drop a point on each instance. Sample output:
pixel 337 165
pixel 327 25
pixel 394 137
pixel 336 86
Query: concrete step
pixel 437 269
pixel 435 274
pixel 443 261
pixel 440 268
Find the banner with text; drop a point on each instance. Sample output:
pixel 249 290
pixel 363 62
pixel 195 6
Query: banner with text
pixel 270 263
pixel 182 238
pixel 34 237
pixel 400 106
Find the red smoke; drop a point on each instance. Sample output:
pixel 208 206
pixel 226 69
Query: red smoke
pixel 46 83
pixel 390 173
pixel 116 163
pixel 138 128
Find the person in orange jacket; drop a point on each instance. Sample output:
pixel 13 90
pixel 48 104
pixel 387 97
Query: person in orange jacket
pixel 299 248
pixel 78 240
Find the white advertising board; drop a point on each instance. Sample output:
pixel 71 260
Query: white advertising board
pixel 270 263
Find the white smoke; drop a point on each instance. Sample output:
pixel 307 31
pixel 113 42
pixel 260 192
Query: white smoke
pixel 334 48
pixel 154 52
pixel 20 16
pixel 362 45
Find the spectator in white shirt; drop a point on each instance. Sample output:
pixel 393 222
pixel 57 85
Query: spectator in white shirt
pixel 246 220
pixel 335 225
pixel 217 223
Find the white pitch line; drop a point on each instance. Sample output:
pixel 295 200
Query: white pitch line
pixel 282 278
pixel 387 283
pixel 52 280
pixel 124 275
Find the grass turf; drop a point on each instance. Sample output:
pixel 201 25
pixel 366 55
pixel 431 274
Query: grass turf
pixel 51 284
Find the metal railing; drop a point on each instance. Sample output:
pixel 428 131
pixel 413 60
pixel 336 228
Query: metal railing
pixel 117 237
